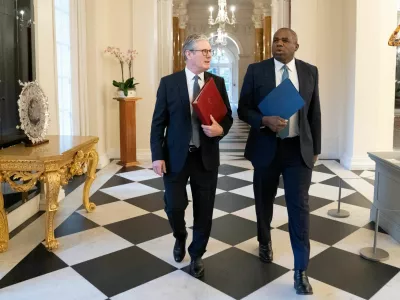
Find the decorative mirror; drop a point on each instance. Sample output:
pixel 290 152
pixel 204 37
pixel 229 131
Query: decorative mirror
pixel 33 112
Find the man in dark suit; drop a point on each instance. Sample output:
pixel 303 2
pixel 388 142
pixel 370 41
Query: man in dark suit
pixel 289 147
pixel 188 149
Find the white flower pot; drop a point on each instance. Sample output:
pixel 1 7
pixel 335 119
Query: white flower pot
pixel 131 93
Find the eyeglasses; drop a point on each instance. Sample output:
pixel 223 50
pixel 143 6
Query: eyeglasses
pixel 204 51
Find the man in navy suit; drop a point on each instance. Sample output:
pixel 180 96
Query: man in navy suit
pixel 188 149
pixel 289 147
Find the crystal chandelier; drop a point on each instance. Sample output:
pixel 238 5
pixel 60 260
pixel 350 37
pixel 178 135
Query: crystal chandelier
pixel 221 20
pixel 218 53
pixel 222 16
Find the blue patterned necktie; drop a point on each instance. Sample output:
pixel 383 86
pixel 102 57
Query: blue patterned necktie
pixel 195 140
pixel 284 132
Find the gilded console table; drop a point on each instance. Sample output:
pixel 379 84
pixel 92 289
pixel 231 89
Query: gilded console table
pixel 54 163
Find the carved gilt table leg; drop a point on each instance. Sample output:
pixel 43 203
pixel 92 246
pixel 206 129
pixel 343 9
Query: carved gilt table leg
pixel 90 176
pixel 52 180
pixel 3 225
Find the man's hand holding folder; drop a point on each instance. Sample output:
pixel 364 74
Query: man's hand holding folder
pixel 279 105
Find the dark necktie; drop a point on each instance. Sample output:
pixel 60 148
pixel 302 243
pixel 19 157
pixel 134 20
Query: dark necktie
pixel 195 140
pixel 284 132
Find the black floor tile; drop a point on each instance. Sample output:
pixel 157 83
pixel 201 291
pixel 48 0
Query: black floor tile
pixel 151 202
pixel 237 273
pixel 326 231
pixel 313 202
pixel 123 270
pixel 75 182
pixel 350 272
pixel 335 181
pixel 233 230
pixel 141 229
pixel 371 226
pixel 73 224
pixel 371 181
pixel 38 262
pixel 129 169
pixel 231 150
pixel 115 180
pixel 100 198
pixel 358 200
pixel 157 183
pixel 227 183
pixel 229 202
pixel 322 169
pixel 228 169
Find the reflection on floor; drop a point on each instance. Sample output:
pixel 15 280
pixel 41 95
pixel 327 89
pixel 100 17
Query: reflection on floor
pixel 124 249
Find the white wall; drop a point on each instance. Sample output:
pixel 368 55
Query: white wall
pixel 347 40
pixel 46 57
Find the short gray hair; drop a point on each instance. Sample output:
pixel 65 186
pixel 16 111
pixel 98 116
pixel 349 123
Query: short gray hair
pixel 190 41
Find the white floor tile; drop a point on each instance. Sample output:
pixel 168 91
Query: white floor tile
pixel 328 191
pixel 368 174
pixel 359 216
pixel 279 218
pixel 89 244
pixel 162 248
pixel 364 238
pixel 283 253
pixel 245 175
pixel 65 284
pixel 242 164
pixel 318 176
pixel 139 175
pixel 282 288
pixel 232 145
pixel 189 214
pixel 130 190
pixel 248 191
pixel 390 290
pixel 166 288
pixel 113 212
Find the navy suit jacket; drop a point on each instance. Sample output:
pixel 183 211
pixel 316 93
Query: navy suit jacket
pixel 259 81
pixel 172 112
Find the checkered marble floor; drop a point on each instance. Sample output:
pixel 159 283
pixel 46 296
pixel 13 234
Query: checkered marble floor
pixel 123 250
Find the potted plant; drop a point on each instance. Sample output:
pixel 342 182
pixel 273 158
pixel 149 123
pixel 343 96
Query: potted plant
pixel 126 88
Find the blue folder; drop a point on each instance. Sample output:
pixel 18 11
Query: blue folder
pixel 283 101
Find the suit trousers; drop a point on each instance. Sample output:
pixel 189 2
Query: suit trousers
pixel 203 184
pixel 288 161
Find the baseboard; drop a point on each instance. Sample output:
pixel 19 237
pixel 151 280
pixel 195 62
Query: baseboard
pixel 104 160
pixel 357 162
pixel 23 213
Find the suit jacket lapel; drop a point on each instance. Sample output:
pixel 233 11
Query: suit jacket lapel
pixel 301 74
pixel 183 91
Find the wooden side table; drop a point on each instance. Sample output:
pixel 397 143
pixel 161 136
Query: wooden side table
pixel 127 129
pixel 54 163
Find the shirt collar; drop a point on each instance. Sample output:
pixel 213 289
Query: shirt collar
pixel 291 65
pixel 190 74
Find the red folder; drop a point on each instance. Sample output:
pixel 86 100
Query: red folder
pixel 209 102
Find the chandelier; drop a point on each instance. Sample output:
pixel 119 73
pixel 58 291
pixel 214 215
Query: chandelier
pixel 218 53
pixel 221 19
pixel 222 16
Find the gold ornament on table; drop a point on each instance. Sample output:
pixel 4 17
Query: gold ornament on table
pixel 33 107
pixel 394 40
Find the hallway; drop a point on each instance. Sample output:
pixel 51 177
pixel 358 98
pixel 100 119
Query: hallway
pixel 123 250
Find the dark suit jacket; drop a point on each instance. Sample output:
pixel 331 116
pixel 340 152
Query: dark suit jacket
pixel 259 81
pixel 172 112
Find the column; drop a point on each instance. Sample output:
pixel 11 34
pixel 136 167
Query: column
pixel 257 19
pixel 267 42
pixel 183 20
pixel 166 38
pixel 176 45
pixel 280 12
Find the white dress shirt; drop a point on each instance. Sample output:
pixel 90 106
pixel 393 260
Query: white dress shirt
pixel 293 124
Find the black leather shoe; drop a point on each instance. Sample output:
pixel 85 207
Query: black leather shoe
pixel 265 252
pixel 197 268
pixel 301 284
pixel 180 249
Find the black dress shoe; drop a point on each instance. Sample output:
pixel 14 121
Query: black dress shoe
pixel 265 252
pixel 197 268
pixel 180 249
pixel 301 284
